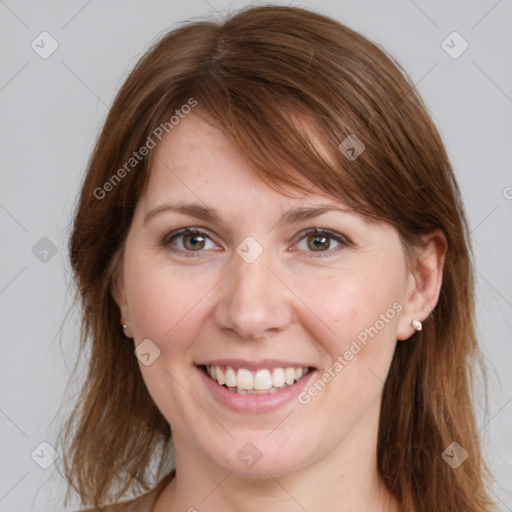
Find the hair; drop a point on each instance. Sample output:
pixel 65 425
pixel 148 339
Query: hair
pixel 287 86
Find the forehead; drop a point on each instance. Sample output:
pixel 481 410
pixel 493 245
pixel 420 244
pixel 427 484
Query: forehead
pixel 196 158
pixel 198 171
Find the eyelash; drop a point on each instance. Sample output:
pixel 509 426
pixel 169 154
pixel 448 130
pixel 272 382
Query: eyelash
pixel 343 241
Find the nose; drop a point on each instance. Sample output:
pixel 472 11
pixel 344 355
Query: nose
pixel 255 302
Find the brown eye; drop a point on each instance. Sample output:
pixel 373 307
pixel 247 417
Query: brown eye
pixel 192 242
pixel 187 240
pixel 318 242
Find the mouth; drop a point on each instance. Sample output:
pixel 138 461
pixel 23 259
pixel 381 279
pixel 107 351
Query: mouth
pixel 261 381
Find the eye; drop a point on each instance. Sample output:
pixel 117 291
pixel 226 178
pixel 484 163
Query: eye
pixel 320 241
pixel 187 240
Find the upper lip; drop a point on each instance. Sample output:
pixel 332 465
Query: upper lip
pixel 255 365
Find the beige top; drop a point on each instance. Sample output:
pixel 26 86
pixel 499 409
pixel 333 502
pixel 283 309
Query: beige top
pixel 144 503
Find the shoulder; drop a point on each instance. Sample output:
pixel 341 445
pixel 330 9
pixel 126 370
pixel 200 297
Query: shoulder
pixel 143 503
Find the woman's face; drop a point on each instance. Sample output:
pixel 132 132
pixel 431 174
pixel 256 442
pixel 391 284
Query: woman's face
pixel 254 294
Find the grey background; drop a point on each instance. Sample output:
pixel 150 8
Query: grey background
pixel 52 109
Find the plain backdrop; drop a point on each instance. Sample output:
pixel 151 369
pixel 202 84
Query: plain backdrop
pixel 52 107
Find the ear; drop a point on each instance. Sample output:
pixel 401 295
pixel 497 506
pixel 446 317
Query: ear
pixel 118 291
pixel 424 279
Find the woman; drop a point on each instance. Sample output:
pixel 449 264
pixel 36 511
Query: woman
pixel 274 265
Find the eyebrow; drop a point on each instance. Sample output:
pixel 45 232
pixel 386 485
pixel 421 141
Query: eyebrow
pixel 211 215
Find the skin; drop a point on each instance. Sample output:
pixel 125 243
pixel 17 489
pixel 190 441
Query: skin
pixel 287 304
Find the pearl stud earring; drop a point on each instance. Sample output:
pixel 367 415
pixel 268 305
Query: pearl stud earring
pixel 418 326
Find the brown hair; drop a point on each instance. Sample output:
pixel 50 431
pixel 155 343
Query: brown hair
pixel 255 75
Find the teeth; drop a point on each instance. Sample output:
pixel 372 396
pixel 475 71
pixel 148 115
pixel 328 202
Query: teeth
pixel 244 379
pixel 289 375
pixel 260 382
pixel 278 379
pixel 221 377
pixel 230 376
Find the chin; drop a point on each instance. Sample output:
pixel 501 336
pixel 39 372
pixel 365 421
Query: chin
pixel 259 457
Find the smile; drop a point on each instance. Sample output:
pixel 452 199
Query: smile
pixel 258 382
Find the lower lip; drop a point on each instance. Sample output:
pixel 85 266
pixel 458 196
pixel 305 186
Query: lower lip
pixel 254 402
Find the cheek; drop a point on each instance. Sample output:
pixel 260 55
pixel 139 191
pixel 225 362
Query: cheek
pixel 344 303
pixel 355 320
pixel 356 357
pixel 164 300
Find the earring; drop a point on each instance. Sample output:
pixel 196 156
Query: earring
pixel 125 326
pixel 418 326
